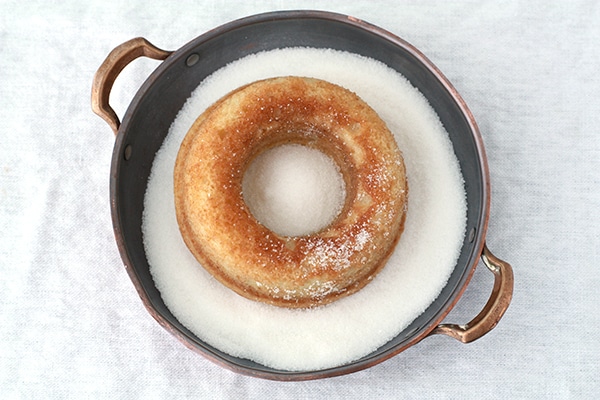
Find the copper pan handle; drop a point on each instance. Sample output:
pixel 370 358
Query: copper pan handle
pixel 110 69
pixel 494 309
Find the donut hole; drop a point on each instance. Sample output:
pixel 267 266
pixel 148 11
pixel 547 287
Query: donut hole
pixel 294 189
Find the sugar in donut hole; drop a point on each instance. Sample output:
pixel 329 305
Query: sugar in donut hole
pixel 226 238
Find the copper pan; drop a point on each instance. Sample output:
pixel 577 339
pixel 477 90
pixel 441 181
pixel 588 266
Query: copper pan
pixel 147 120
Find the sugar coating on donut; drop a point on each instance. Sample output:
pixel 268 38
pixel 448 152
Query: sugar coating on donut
pixel 290 270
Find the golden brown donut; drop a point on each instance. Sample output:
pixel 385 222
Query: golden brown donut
pixel 228 241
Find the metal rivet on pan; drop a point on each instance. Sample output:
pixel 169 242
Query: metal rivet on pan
pixel 192 59
pixel 127 152
pixel 472 235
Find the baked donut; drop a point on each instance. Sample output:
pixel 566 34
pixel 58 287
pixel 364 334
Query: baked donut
pixel 230 243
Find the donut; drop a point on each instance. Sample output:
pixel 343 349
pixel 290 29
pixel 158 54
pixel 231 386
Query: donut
pixel 221 232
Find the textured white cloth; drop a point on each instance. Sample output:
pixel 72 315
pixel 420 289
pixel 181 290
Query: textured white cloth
pixel 72 324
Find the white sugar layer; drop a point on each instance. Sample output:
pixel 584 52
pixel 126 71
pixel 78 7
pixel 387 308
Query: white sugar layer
pixel 350 328
pixel 293 190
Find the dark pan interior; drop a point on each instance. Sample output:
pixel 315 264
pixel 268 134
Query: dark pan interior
pixel 156 104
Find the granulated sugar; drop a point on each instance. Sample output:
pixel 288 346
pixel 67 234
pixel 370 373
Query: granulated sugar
pixel 294 190
pixel 354 326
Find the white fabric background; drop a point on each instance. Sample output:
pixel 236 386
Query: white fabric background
pixel 71 323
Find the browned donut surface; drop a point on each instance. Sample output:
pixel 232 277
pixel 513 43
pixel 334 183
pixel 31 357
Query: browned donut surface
pixel 228 241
